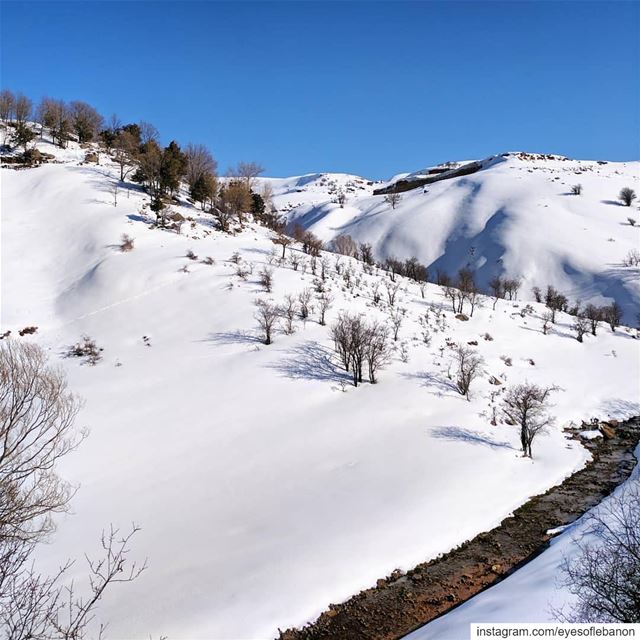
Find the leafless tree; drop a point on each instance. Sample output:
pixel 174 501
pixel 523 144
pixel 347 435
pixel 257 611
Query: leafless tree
pixel 396 316
pixel 37 413
pixel 236 199
pixel 393 199
pixel 247 172
pixel 7 105
pixel 304 300
pixel 612 314
pixel 576 189
pixel 324 304
pixel 594 315
pixel 526 406
pixel 345 245
pixel 113 190
pixel 547 318
pixel 295 261
pixel 311 244
pixel 341 198
pixel 125 153
pixel 148 132
pixel 266 279
pixel 86 120
pixel 392 289
pixel 200 162
pixel 604 574
pixel 289 310
pixel 23 109
pixel 267 316
pixel 377 349
pixel 469 365
pixel 366 253
pixel 283 241
pixel 580 326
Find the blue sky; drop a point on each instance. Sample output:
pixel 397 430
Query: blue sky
pixel 372 88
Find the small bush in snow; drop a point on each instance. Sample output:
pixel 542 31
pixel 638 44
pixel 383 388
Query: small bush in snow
pixel 267 316
pixel 631 221
pixel 576 189
pixel 627 196
pixel 87 349
pixel 266 279
pixel 632 259
pixel 126 243
pixel 191 255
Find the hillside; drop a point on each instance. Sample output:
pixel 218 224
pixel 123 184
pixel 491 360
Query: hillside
pixel 267 485
pixel 516 216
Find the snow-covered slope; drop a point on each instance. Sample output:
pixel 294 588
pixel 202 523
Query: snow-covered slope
pixel 516 216
pixel 266 485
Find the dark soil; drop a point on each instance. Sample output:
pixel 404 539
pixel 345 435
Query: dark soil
pixel 400 603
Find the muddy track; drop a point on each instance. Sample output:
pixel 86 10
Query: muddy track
pixel 400 603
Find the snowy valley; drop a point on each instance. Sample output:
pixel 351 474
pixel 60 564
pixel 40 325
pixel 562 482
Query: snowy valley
pixel 266 484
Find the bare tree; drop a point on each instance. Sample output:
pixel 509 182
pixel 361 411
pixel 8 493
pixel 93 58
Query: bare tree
pixel 113 190
pixel 200 162
pixel 469 365
pixel 247 171
pixel 526 406
pixel 283 241
pixel 125 152
pixel 547 318
pixel 392 292
pixel 396 316
pixel 266 279
pixel 341 198
pixel 7 105
pixel 594 315
pixel 235 198
pixel 345 245
pixel 366 253
pixel 304 299
pixel 267 317
pixel 86 121
pixel 627 196
pixel 613 315
pixel 324 304
pixel 604 574
pixel 289 310
pixel 37 413
pixel 377 349
pixel 580 326
pixel 148 133
pixel 393 199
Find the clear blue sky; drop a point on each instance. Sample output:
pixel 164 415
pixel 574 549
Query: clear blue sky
pixel 372 88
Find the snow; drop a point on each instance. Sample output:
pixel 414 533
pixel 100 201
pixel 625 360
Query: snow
pixel 515 217
pixel 531 594
pixel 266 486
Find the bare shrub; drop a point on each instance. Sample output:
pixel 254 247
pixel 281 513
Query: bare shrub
pixel 87 349
pixel 191 255
pixel 627 196
pixel 396 317
pixel 632 259
pixel 126 243
pixel 469 367
pixel 526 406
pixel 267 317
pixel 612 315
pixel 283 241
pixel 576 189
